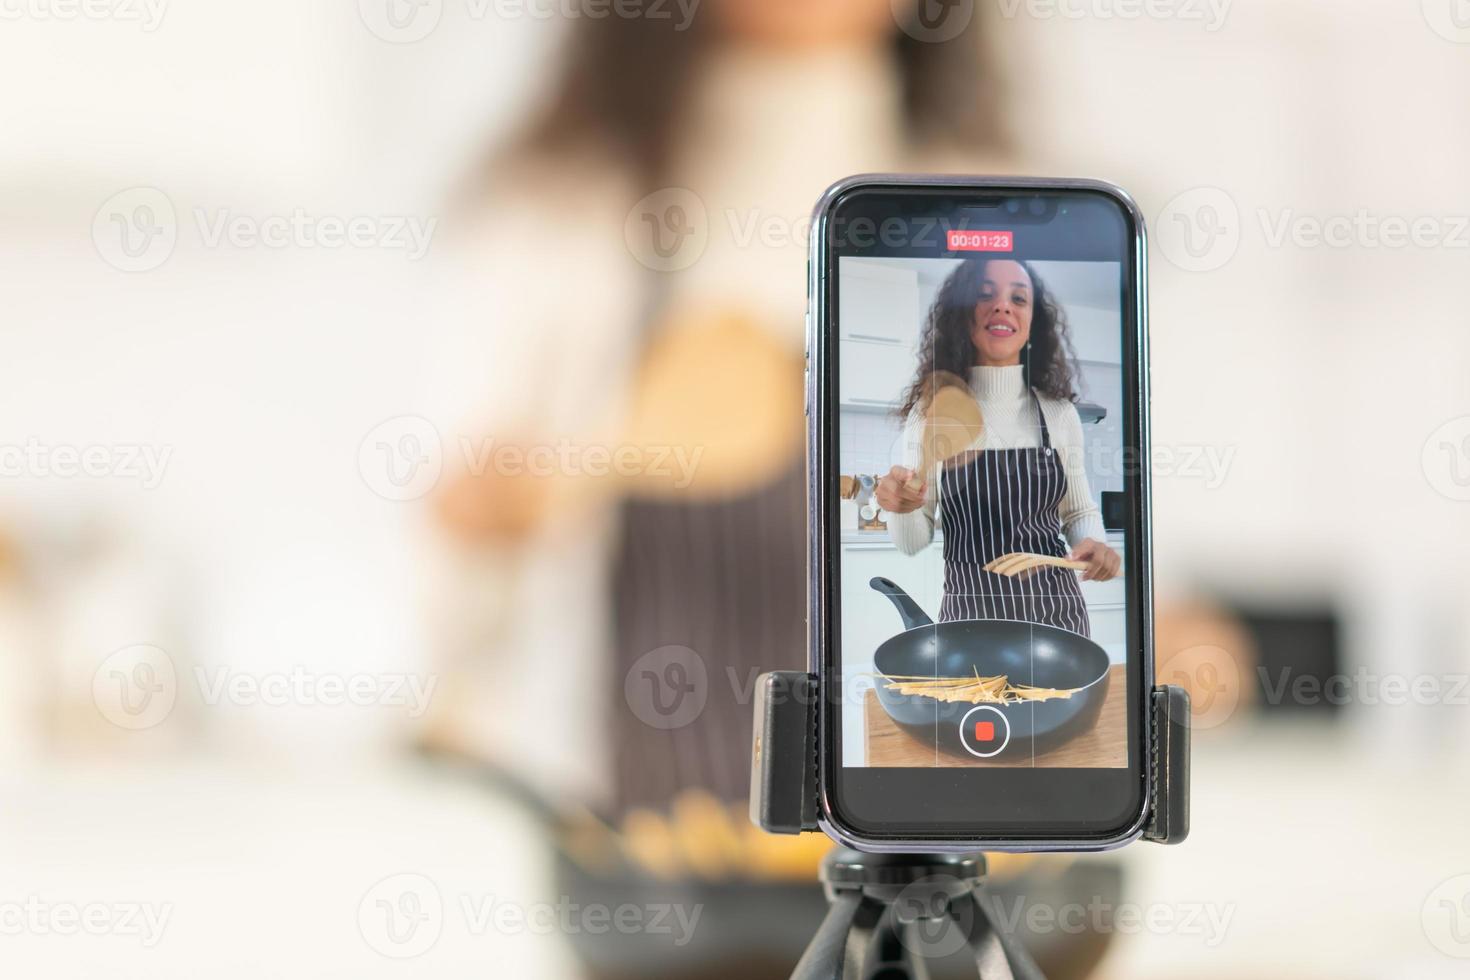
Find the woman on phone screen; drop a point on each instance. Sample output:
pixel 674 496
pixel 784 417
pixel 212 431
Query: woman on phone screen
pixel 1022 486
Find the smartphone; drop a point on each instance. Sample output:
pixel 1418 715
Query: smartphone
pixel 981 626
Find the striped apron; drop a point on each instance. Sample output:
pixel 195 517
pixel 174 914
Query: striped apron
pixel 727 579
pixel 996 501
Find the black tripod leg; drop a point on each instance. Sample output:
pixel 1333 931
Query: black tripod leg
pixel 999 957
pixel 838 949
pixel 892 955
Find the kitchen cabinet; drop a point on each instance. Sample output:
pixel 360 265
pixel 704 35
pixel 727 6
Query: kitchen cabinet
pixel 874 375
pixel 878 303
pixel 878 321
pixel 1096 334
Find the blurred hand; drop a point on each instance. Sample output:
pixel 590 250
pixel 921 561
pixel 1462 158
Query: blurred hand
pixel 893 493
pixel 1102 562
pixel 495 507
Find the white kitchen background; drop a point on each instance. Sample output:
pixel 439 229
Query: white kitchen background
pixel 883 304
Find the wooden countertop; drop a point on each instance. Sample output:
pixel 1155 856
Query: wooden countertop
pixel 1105 746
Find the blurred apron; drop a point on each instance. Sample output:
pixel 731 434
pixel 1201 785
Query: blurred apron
pixel 709 585
pixel 997 501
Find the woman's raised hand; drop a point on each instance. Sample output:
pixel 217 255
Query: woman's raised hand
pixel 894 494
pixel 1102 562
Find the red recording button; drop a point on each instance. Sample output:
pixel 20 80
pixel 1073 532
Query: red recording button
pixel 985 731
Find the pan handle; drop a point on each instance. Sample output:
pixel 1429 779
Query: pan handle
pixel 913 616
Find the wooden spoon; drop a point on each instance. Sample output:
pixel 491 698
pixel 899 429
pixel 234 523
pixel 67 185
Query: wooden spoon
pixel 952 424
pixel 719 401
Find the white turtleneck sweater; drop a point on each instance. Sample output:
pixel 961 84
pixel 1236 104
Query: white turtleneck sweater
pixel 1010 423
pixel 765 131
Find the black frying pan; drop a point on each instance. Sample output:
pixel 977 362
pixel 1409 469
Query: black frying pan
pixel 1029 653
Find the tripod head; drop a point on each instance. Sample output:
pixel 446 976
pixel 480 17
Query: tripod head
pixel 878 901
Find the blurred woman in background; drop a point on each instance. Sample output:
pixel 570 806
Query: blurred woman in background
pixel 746 116
pixel 674 167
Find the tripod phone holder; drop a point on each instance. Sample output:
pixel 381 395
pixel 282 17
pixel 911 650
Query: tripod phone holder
pixel 879 902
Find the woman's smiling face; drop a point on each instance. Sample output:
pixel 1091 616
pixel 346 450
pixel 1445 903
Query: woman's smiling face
pixel 1002 315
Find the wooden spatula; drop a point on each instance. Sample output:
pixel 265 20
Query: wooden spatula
pixel 1023 563
pixel 952 424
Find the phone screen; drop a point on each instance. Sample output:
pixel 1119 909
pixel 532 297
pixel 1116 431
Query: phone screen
pixel 984 511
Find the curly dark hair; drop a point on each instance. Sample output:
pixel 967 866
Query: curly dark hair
pixel 945 344
pixel 623 83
